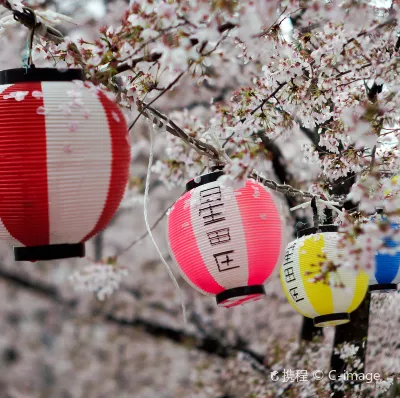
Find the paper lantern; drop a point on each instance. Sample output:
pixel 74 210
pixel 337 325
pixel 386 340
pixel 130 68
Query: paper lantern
pixel 226 242
pixel 64 162
pixel 386 274
pixel 328 305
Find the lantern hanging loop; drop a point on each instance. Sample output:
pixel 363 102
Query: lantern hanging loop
pixel 29 19
pixel 214 164
pixel 221 151
pixel 299 224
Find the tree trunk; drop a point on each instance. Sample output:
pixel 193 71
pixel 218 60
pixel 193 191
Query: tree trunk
pixel 309 331
pixel 355 332
pixel 98 246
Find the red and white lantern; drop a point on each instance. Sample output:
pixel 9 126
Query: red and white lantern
pixel 64 162
pixel 226 242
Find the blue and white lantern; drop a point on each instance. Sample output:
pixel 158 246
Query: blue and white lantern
pixel 386 274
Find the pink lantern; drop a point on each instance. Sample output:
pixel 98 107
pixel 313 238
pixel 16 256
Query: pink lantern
pixel 226 242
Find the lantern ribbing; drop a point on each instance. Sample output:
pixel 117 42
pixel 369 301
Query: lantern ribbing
pixel 64 161
pixel 328 304
pixel 226 242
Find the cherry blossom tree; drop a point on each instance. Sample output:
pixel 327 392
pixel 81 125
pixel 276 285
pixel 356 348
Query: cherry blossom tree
pixel 301 95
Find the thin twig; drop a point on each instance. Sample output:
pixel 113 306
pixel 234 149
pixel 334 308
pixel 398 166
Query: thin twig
pixel 201 147
pixel 266 31
pixel 349 71
pixel 129 65
pixel 228 139
pixel 371 167
pixel 158 96
pixel 367 31
pixel 136 241
pixel 264 101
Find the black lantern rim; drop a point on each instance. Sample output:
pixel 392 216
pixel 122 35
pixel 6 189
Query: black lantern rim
pixel 383 287
pixel 314 230
pixel 340 317
pixel 239 291
pixel 49 252
pixel 203 179
pixel 33 74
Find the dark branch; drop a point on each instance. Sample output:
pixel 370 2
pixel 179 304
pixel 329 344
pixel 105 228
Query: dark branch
pixel 226 26
pixel 206 343
pixel 130 65
pixel 278 164
pixel 37 287
pixel 374 91
pixel 265 100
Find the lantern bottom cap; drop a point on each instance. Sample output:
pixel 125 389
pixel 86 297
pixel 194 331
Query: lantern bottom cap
pixel 332 319
pixel 383 287
pixel 240 295
pixel 49 252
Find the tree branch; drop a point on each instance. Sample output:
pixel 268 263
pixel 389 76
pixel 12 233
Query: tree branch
pixel 280 170
pixel 207 343
pixel 172 84
pixel 264 101
pixel 367 31
pixel 136 241
pixel 37 287
pixel 216 155
pixel 129 65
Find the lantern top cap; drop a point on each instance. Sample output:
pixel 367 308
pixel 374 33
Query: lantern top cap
pixel 203 179
pixel 320 229
pixel 32 74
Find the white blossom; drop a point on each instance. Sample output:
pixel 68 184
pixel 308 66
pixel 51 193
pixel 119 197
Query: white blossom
pixel 101 279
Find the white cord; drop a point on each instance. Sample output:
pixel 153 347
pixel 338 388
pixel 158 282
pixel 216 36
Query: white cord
pixel 329 204
pixel 146 220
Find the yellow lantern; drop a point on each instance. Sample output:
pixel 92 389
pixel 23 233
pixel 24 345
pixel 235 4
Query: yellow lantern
pixel 329 304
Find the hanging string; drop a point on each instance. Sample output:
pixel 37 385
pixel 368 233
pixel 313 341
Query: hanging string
pixel 27 59
pixel 146 219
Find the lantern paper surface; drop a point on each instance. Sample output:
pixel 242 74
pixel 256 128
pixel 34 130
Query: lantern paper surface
pixel 64 162
pixel 386 274
pixel 329 305
pixel 227 243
